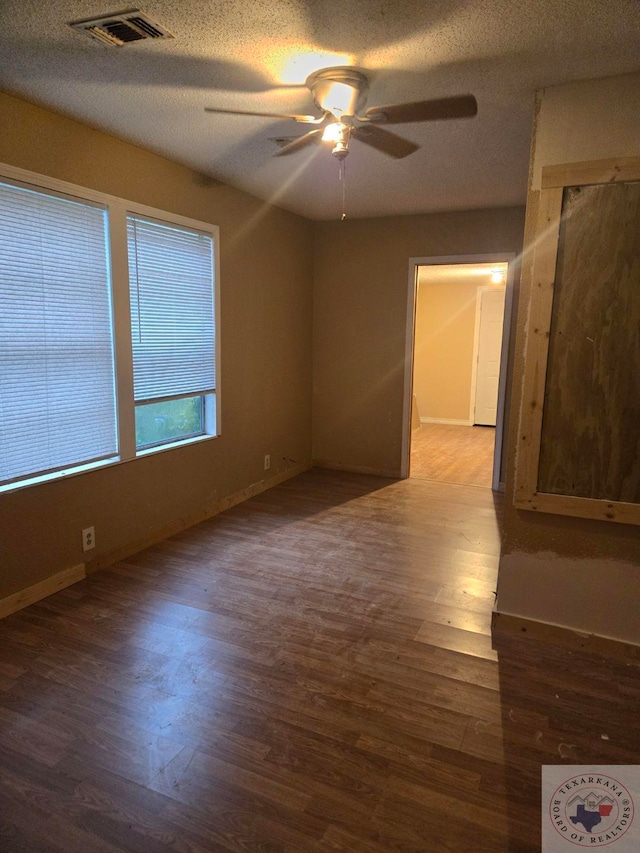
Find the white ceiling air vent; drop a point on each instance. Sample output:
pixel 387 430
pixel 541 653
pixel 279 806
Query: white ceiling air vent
pixel 121 28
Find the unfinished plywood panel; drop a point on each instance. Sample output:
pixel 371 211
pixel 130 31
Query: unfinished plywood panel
pixel 590 442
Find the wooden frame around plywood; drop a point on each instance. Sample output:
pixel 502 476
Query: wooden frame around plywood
pixel 526 495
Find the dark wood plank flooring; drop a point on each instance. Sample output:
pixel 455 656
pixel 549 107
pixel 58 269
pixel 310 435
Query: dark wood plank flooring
pixel 310 671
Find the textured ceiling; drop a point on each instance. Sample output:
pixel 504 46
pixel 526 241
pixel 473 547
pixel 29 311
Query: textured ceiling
pixel 256 55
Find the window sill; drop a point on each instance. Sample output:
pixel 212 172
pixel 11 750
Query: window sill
pixel 74 471
pixel 183 442
pixel 58 475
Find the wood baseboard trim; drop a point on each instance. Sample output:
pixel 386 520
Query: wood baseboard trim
pixel 61 580
pixel 392 474
pixel 507 625
pixel 208 511
pixel 452 421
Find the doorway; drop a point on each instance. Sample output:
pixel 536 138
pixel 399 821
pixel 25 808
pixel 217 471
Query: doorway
pixel 457 344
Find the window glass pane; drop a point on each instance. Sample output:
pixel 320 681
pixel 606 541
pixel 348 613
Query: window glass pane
pixel 169 420
pixel 57 382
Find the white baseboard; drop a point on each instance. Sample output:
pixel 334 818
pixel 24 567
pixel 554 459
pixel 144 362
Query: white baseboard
pixel 445 421
pixel 61 580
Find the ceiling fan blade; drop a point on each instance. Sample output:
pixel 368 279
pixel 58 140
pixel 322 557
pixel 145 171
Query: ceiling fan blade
pixel 302 119
pixel 300 142
pixel 461 106
pixel 384 140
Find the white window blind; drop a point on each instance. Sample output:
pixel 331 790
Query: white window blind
pixel 57 385
pixel 172 310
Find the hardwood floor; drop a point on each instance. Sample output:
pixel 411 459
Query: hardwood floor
pixel 451 453
pixel 310 671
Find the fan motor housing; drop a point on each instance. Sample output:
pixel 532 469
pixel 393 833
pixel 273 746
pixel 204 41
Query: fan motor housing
pixel 340 91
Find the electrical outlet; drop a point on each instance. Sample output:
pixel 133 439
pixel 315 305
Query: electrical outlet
pixel 88 538
pixel 267 461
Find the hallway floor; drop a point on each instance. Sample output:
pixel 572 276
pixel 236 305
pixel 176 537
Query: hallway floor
pixel 450 453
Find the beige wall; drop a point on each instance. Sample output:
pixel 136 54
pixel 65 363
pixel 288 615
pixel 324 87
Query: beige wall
pixel 360 317
pixel 445 323
pixel 266 304
pixel 444 341
pixel 568 571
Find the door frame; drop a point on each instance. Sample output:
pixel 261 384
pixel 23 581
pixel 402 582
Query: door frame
pixel 414 263
pixel 485 288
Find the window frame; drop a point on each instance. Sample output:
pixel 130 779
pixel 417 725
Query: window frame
pixel 117 210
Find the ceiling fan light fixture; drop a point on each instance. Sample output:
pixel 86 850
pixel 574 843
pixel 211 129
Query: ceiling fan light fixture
pixel 340 93
pixel 338 134
pixel 333 132
pixel 341 148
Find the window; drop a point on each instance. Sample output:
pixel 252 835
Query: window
pixel 172 329
pixel 107 329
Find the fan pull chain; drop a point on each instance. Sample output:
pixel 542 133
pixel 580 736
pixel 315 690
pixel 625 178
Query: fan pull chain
pixel 342 176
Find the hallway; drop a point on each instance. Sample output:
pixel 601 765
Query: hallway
pixel 451 453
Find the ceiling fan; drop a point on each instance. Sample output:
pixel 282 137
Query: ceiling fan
pixel 339 93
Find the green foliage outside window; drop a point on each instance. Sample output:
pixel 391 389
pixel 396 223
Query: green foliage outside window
pixel 169 420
